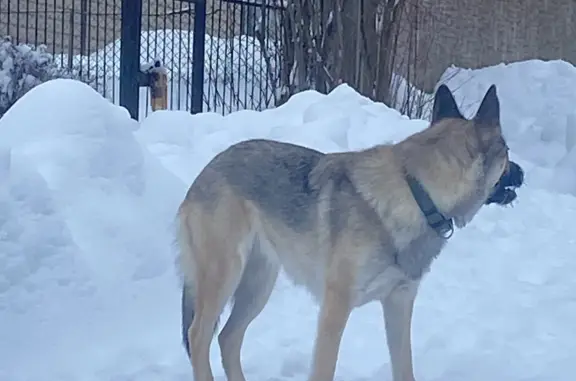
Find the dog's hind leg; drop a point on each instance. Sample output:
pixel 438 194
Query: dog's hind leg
pixel 251 296
pixel 216 256
pixel 214 286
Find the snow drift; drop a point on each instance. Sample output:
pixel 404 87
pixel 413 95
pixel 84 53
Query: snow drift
pixel 87 202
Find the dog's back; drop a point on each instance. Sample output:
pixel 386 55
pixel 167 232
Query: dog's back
pixel 273 175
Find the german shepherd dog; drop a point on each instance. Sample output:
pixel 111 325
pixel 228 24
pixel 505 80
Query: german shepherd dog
pixel 351 227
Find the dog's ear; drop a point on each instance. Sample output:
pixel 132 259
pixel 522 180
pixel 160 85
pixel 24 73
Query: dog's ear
pixel 444 105
pixel 489 111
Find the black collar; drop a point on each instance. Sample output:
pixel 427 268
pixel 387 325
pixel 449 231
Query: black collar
pixel 436 220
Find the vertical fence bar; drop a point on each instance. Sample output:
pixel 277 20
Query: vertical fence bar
pixel 131 25
pixel 87 43
pixel 71 40
pixel 7 32
pixel 198 46
pixel 55 13
pixel 188 57
pixel 151 28
pixel 114 78
pixel 214 53
pixel 62 30
pixel 46 40
pixel 98 48
pixel 108 13
pixel 36 17
pixel 27 38
pixel 83 26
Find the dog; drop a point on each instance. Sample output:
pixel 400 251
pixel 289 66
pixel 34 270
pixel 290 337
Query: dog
pixel 350 227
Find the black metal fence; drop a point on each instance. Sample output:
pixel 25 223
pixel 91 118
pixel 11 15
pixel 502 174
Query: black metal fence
pixel 243 52
pixel 221 55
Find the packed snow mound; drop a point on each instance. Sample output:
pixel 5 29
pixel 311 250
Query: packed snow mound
pixel 78 194
pixel 341 120
pixel 86 141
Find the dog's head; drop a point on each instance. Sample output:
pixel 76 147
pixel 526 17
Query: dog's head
pixel 468 163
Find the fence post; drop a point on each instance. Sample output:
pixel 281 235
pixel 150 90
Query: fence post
pixel 131 25
pixel 198 45
pixel 155 77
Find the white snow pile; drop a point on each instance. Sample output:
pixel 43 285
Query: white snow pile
pixel 87 203
pixel 78 195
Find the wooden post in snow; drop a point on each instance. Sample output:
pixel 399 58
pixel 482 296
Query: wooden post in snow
pixel 155 77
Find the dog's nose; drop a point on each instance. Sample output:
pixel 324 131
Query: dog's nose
pixel 515 175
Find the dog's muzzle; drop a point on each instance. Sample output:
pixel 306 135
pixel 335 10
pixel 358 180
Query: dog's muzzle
pixel 504 191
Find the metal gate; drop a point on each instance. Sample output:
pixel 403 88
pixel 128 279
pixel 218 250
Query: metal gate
pixel 221 55
pixel 243 52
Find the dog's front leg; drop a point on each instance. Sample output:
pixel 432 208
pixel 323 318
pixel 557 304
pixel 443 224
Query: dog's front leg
pixel 398 307
pixel 334 313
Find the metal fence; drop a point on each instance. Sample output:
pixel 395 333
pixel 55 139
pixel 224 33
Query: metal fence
pixel 243 53
pixel 80 34
pixel 221 55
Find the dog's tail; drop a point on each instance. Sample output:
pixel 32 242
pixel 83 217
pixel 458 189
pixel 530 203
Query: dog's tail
pixel 187 266
pixel 188 297
pixel 187 314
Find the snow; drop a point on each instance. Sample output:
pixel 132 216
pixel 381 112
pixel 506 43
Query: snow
pixel 88 289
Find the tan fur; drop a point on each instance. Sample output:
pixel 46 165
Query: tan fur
pixel 365 217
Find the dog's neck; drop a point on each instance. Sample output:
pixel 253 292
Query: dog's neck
pixel 442 225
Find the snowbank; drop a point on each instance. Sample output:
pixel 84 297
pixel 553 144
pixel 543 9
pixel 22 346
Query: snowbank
pixel 83 230
pixel 88 291
pixel 338 121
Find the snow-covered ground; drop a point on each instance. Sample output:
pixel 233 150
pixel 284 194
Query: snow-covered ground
pixel 87 201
